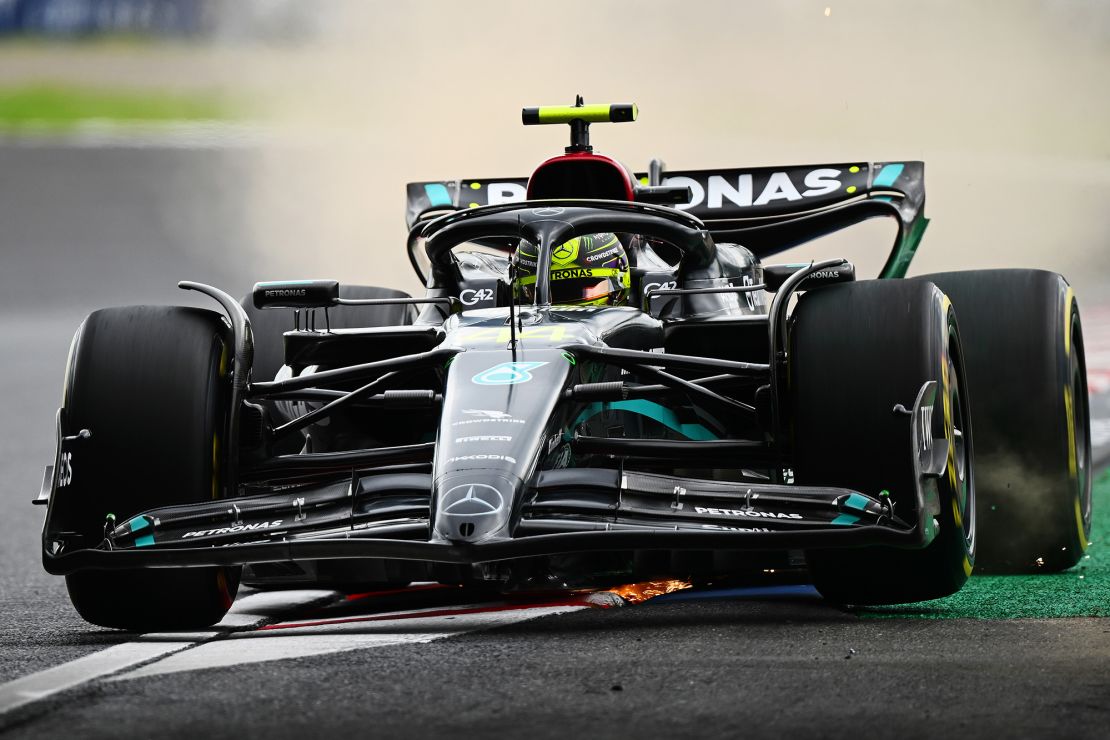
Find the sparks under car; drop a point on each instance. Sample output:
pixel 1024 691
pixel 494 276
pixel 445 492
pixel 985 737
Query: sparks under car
pixel 705 416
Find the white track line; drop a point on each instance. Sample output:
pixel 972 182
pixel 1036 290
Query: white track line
pixel 36 686
pixel 322 639
pixel 249 611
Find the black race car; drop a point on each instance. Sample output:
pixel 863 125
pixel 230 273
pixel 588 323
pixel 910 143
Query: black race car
pixel 731 418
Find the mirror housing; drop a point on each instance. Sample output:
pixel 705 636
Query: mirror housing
pixel 296 294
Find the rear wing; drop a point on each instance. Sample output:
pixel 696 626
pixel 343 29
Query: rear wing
pixel 767 209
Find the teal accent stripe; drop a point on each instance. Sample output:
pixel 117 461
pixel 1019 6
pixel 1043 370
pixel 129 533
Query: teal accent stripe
pixel 138 524
pixel 857 501
pixel 845 519
pixel 437 194
pixel 888 175
pixel 652 410
pixel 286 282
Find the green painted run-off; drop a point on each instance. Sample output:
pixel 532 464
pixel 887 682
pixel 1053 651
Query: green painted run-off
pixel 1083 591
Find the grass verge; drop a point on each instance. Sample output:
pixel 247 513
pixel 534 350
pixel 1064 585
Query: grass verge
pixel 54 107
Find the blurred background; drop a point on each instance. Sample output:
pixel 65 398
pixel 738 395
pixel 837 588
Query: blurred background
pixel 146 141
pixel 228 141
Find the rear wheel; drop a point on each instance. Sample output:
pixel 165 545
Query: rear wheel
pixel 1026 369
pixel 857 351
pixel 150 384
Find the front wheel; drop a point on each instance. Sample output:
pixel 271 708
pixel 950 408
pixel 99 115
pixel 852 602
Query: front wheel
pixel 857 351
pixel 150 383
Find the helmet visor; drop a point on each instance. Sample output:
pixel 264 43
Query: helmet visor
pixel 581 290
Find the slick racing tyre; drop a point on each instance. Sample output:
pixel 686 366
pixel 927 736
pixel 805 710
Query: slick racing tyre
pixel 1024 356
pixel 268 325
pixel 857 351
pixel 150 384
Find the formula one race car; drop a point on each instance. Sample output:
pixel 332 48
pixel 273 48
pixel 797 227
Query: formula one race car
pixel 602 383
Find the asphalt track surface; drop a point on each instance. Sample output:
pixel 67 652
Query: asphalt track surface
pixel 442 661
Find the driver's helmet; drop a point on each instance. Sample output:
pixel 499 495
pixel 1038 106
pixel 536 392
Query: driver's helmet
pixel 589 270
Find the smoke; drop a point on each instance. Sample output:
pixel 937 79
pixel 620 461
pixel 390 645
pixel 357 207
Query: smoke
pixel 1024 517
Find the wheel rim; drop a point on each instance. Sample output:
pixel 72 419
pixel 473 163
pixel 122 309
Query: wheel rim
pixel 961 442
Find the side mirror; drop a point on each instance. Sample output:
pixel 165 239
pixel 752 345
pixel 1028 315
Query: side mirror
pixel 775 275
pixel 296 294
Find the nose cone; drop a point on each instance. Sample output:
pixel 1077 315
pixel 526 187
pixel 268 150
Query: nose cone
pixel 472 507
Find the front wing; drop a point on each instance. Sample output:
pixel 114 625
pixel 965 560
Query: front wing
pixel 387 514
